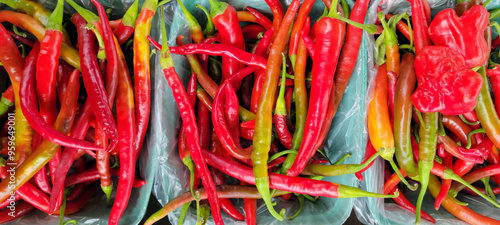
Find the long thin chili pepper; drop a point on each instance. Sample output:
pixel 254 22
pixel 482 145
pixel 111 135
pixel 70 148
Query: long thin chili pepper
pixel 421 25
pixel 451 147
pixel 13 63
pixel 446 183
pixel 337 170
pixel 68 53
pixel 403 202
pixel 112 71
pixel 379 125
pixel 369 152
pixel 308 42
pixel 225 191
pixel 278 18
pixel 92 175
pixel 350 50
pixel 47 149
pixel 298 25
pixel 486 113
pixel 225 19
pixel 330 33
pixel 126 26
pixel 391 46
pixel 263 121
pixel 7 100
pixel 22 208
pixel 260 19
pixel 260 50
pixel 142 84
pixel 279 117
pixel 474 176
pixel 458 128
pixel 187 115
pixel 403 115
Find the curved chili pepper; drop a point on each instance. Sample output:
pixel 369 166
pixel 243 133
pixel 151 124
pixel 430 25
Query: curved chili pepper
pixel 188 118
pixel 227 138
pixel 244 16
pixel 47 149
pixel 204 98
pixel 279 117
pixel 391 46
pixel 458 128
pixel 337 170
pixel 252 31
pixel 126 25
pixel 350 50
pixel 486 113
pixel 379 125
pixel 7 100
pixel 402 27
pixel 403 115
pixel 68 53
pixel 369 152
pixel 330 33
pixel 463 34
pixel 309 43
pixel 403 202
pixel 21 209
pixel 14 63
pixel 263 121
pixel 231 111
pixel 446 183
pixel 225 19
pixel 260 19
pixel 278 18
pixel 427 151
pixel 260 50
pixel 225 191
pixel 493 74
pixel 112 71
pixel 217 50
pixel 419 21
pixel 301 21
pixel 474 176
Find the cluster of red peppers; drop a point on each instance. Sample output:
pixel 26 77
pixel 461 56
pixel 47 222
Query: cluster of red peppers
pixel 56 124
pixel 433 105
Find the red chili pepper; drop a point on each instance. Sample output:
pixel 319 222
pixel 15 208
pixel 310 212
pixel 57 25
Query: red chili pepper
pixel 330 35
pixel 403 202
pixel 21 39
pixel 126 25
pixel 369 152
pixel 421 35
pixel 278 13
pixel 495 84
pixel 188 118
pixel 7 100
pixel 260 50
pixel 463 34
pixel 302 19
pixel 279 117
pixel 21 209
pixel 446 183
pixel 92 175
pixel 350 50
pixel 225 19
pixel 252 31
pixel 309 43
pixel 445 84
pixel 260 19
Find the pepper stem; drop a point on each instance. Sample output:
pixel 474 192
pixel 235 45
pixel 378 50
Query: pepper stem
pixel 55 19
pixel 424 174
pixel 390 37
pixel 166 58
pixel 352 192
pixel 469 136
pixel 342 159
pixel 396 169
pixel 131 15
pixel 185 208
pixel 262 185
pixel 217 8
pixel 449 174
pixel 301 205
pixel 210 27
pixel 107 190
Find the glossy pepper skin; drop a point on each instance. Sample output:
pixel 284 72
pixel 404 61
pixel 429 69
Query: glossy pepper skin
pixel 445 83
pixel 463 34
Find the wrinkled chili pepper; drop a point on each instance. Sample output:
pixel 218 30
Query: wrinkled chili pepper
pixel 445 84
pixel 463 34
pixel 187 115
pixel 330 33
pixel 263 121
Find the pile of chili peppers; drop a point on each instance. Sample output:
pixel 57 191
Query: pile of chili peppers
pixel 433 107
pixel 72 117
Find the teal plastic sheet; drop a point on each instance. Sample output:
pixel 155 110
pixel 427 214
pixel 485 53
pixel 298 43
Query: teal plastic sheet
pixel 96 212
pixel 377 211
pixel 348 133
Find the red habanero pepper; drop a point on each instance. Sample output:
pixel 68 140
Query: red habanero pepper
pixel 7 100
pixel 350 50
pixel 330 33
pixel 264 118
pixel 279 117
pixel 126 25
pixel 225 19
pixel 463 34
pixel 260 19
pixel 142 84
pixel 260 50
pixel 421 35
pixel 188 118
pixel 437 68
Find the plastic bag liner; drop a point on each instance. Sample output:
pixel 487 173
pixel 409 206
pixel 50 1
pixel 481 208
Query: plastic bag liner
pixel 348 133
pixel 96 212
pixel 375 211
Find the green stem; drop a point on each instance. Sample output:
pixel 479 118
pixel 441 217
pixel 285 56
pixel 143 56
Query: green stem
pixel 279 154
pixel 301 205
pixel 280 103
pixel 184 210
pixel 342 159
pixel 466 121
pixel 469 136
pixel 210 27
